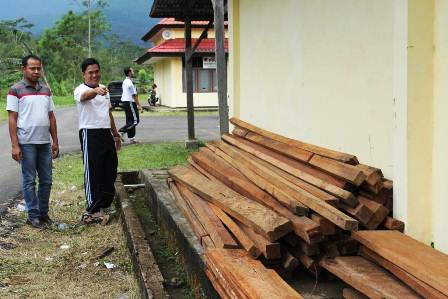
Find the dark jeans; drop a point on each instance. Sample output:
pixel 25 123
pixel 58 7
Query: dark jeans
pixel 36 160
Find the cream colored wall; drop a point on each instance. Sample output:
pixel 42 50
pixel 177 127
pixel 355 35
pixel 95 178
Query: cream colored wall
pixel 420 119
pixel 320 72
pixel 440 150
pixel 168 77
pixel 359 76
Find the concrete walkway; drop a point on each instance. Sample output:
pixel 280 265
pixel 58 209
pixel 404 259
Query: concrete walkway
pixel 150 129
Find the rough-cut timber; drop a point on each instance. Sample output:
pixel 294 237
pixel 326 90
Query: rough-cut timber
pixel 279 147
pixel 339 169
pixel 423 262
pixel 304 172
pixel 252 278
pixel 393 224
pixel 331 199
pixel 328 211
pixel 271 251
pixel 349 293
pixel 215 165
pixel 302 226
pixel 249 212
pixel 368 278
pixel 373 175
pixel 216 230
pixel 239 234
pixel 417 285
pixel 379 212
pixel 196 226
pixel 346 158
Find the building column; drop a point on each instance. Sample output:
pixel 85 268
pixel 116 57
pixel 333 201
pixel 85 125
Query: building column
pixel 413 116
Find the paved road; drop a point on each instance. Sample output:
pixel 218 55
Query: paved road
pixel 150 129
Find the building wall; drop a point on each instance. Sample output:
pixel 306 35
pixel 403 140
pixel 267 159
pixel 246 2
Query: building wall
pixel 440 148
pixel 168 77
pixel 326 66
pixel 359 76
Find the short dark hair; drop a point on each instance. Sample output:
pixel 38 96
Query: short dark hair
pixel 28 57
pixel 87 62
pixel 126 70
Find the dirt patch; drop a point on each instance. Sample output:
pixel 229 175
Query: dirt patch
pixel 55 262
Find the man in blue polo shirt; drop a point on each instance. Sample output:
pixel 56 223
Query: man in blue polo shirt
pixel 31 122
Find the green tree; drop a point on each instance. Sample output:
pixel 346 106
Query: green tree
pixel 64 46
pixel 15 41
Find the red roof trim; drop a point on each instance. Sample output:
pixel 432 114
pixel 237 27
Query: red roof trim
pixel 177 45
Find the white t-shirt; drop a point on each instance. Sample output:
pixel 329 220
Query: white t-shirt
pixel 128 90
pixel 94 113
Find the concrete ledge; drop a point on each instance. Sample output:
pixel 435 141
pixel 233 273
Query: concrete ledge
pixel 145 266
pixel 171 220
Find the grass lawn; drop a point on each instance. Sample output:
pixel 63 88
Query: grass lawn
pixel 33 264
pixel 59 101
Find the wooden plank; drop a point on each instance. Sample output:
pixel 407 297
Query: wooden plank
pixel 280 147
pixel 232 287
pixel 196 226
pixel 393 224
pixel 309 263
pixel 417 285
pixel 331 199
pixel 239 132
pixel 289 262
pixel 343 157
pixel 326 227
pixel 425 263
pixel 361 212
pixel 254 279
pixel 339 169
pixel 349 293
pixel 379 212
pixel 308 249
pixel 216 230
pixel 239 234
pixel 368 278
pixel 270 250
pixel 373 175
pixel 273 158
pixel 217 284
pixel 249 212
pixel 232 178
pixel 302 226
pixel 304 172
pixel 329 212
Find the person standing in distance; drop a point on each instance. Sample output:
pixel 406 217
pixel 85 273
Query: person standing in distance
pixel 131 105
pixel 31 122
pixel 99 142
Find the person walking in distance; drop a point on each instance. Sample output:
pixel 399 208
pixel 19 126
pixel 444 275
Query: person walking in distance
pixel 99 143
pixel 31 123
pixel 131 105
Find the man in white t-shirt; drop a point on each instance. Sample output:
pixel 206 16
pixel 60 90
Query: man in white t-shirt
pixel 131 105
pixel 31 123
pixel 99 141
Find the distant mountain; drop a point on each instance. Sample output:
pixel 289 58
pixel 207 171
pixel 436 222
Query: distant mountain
pixel 129 19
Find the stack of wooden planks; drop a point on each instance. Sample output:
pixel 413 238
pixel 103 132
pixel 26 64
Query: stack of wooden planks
pixel 258 200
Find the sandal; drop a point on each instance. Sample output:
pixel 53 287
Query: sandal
pixel 88 218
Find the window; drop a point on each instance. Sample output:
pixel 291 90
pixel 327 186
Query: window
pixel 204 80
